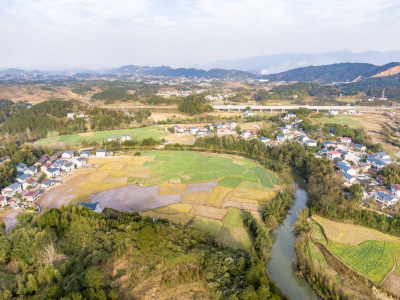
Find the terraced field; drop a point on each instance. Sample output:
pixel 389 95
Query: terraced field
pixel 367 251
pixel 203 190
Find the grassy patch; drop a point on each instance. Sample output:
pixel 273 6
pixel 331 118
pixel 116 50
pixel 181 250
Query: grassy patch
pixel 155 132
pixel 208 225
pixel 231 182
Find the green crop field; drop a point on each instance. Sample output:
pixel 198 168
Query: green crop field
pixel 209 225
pixel 192 167
pixel 156 132
pixel 343 120
pixel 372 258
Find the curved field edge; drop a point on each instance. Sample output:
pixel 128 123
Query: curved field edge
pixel 374 256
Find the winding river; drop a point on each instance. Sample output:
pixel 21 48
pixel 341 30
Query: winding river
pixel 281 266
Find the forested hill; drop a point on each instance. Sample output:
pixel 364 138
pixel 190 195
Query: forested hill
pixel 343 72
pixel 73 253
pixel 190 73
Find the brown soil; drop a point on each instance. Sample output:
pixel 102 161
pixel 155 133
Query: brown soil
pixel 392 284
pixel 209 212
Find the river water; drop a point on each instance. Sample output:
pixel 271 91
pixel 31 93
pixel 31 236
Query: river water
pixel 281 266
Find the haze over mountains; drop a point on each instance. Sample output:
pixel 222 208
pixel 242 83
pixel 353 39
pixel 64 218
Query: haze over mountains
pixel 270 64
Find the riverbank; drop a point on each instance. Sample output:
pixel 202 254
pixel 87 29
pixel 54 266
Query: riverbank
pixel 281 266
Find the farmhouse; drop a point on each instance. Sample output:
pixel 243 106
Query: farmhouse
pixel 79 162
pixel 232 125
pixel 68 154
pixel 265 140
pixel 126 137
pixel 280 138
pixel 395 190
pixel 350 179
pixel 345 140
pixel 329 144
pixel 310 143
pixel 385 199
pixel 49 183
pixel 33 195
pixel 360 147
pixel 30 182
pixel 333 154
pixel 245 134
pixel 70 115
pixel 31 171
pixel 53 172
pixel 85 154
pixel 101 153
pixel 112 139
pixel 21 167
pixel 12 189
pixel 248 113
pixel 23 178
pixel 68 167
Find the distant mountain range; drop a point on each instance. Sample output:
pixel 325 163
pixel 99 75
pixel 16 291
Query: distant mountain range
pixel 190 72
pixel 131 70
pixel 339 73
pixel 270 64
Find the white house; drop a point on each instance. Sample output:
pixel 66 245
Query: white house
pixel 265 140
pixel 68 167
pixel 334 112
pixel 33 195
pixel 280 138
pixel 333 154
pixel 360 147
pixel 193 130
pixel 345 140
pixel 100 153
pixel 245 134
pixel 79 162
pixel 396 190
pixel 53 172
pixel 382 155
pixel 248 113
pixel 70 115
pixel 23 178
pixel 125 137
pixel 85 154
pixel 350 179
pixel 232 125
pixel 178 129
pixel 68 154
pixel 21 167
pixel 311 143
pixel 112 139
pixel 31 171
pixel 30 182
pixel 12 189
pixel 385 199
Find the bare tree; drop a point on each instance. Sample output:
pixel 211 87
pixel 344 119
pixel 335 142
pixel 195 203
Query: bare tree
pixel 48 254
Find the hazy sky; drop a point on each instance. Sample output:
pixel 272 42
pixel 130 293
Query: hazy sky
pixel 104 33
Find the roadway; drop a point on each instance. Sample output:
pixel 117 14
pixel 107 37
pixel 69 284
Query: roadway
pixel 288 107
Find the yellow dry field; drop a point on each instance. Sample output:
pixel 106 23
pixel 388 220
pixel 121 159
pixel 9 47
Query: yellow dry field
pixel 218 196
pixel 260 195
pixel 350 234
pixel 179 218
pixel 243 205
pixel 246 200
pixel 174 209
pixel 196 198
pixel 84 134
pixel 209 212
pixel 171 188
